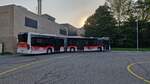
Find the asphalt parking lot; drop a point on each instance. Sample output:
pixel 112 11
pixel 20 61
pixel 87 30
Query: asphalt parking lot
pixel 76 68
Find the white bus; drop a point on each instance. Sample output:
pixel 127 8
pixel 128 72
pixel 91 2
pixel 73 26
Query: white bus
pixel 35 43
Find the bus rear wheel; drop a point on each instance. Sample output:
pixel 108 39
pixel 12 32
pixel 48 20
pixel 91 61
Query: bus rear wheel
pixel 49 51
pixel 100 49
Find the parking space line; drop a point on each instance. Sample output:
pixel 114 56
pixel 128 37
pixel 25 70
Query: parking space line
pixel 27 65
pixel 19 67
pixel 130 70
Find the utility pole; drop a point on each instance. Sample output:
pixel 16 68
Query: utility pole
pixel 39 7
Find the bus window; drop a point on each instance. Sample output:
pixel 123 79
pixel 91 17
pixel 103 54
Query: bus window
pixel 41 41
pixel 92 42
pixel 59 42
pixel 72 41
pixel 22 37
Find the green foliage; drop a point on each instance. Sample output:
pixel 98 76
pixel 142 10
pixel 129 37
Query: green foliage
pixel 117 19
pixel 142 8
pixel 120 8
pixel 100 24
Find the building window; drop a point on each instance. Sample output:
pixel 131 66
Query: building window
pixel 31 23
pixel 63 31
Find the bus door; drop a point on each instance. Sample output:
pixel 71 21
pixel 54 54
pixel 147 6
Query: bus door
pixel 80 44
pixel 59 44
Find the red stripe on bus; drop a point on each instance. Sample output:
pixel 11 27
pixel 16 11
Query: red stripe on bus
pixel 89 46
pixel 41 47
pixel 22 45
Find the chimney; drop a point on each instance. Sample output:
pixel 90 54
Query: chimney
pixel 39 7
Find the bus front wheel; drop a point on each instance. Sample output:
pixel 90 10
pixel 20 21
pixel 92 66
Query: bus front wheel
pixel 49 51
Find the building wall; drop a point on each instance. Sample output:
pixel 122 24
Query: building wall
pixel 70 30
pixel 81 32
pixel 48 27
pixel 44 25
pixel 6 27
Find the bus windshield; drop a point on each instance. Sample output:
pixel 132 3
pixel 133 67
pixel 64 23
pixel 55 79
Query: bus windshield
pixel 22 37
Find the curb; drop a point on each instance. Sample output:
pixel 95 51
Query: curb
pixel 130 70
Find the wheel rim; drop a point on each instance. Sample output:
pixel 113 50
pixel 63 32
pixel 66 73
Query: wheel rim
pixel 49 51
pixel 72 50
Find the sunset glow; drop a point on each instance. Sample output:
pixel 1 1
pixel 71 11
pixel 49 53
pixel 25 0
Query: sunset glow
pixel 82 21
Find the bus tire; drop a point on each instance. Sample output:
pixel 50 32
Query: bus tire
pixel 100 49
pixel 72 49
pixel 49 51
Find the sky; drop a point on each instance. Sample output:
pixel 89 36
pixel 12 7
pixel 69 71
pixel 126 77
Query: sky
pixel 74 12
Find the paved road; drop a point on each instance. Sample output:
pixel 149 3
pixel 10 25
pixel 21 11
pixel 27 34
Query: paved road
pixel 72 68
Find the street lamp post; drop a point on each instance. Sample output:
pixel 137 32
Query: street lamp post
pixel 137 34
pixel 137 26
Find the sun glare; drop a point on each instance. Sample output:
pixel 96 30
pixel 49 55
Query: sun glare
pixel 82 21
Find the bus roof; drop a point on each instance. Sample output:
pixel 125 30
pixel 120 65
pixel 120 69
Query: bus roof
pixel 63 36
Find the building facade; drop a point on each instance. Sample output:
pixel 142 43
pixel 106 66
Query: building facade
pixel 81 32
pixel 67 29
pixel 15 19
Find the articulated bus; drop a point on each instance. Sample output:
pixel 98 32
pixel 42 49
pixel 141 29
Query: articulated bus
pixel 35 43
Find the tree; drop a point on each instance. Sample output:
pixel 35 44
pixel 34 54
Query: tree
pixel 119 9
pixel 122 13
pixel 126 13
pixel 143 9
pixel 101 23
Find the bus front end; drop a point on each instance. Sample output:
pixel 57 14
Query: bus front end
pixel 22 46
